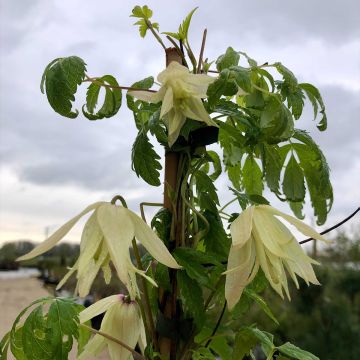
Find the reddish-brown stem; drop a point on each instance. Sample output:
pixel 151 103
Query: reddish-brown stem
pixel 202 51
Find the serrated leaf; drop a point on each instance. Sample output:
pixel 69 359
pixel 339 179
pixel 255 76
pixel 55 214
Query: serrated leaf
pixel 141 12
pixel 262 303
pixel 295 352
pixel 245 341
pixel 216 240
pixel 293 184
pixel 4 346
pixel 264 338
pixel 204 183
pixel 317 174
pixel 288 75
pixel 252 176
pixel 242 77
pixel 62 78
pixel 297 208
pixel 184 27
pixel 192 297
pixel 223 85
pixel 189 260
pixel 276 122
pixel 230 58
pixel 216 164
pixel 272 163
pixel 235 176
pixel 316 100
pixel 145 161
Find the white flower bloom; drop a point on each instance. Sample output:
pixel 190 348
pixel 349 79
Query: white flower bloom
pixel 122 320
pixel 259 239
pixel 181 93
pixel 107 235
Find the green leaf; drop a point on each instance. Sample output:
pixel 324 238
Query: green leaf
pixel 184 27
pixel 297 208
pixel 295 352
pixel 234 174
pixel 288 76
pixel 252 176
pixel 293 183
pixel 316 100
pixel 216 240
pixel 276 122
pixel 223 85
pixel 141 12
pixel 205 183
pixel 61 78
pixel 145 161
pixel 112 100
pixel 190 260
pixel 161 222
pixel 265 339
pixel 261 302
pixel 162 277
pixel 317 174
pixel 203 353
pixel 272 163
pixel 215 159
pixel 242 77
pixel 230 58
pixel 132 103
pixel 4 346
pixel 192 297
pixel 245 341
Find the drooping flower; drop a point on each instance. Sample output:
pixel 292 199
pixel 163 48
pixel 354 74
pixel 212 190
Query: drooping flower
pixel 181 93
pixel 107 236
pixel 260 239
pixel 122 321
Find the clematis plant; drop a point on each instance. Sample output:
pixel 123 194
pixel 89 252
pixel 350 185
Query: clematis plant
pixel 195 273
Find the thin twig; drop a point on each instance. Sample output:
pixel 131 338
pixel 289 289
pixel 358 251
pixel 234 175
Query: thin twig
pixel 96 81
pixel 157 37
pixel 134 353
pixel 217 325
pixel 333 227
pixel 142 212
pixel 202 51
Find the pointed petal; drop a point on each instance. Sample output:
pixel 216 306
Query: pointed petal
pixel 67 275
pixel 91 238
pixel 58 234
pixel 98 308
pixel 173 70
pixel 302 227
pixel 106 270
pixel 122 321
pixel 168 102
pixel 152 243
pixel 118 230
pixel 175 121
pixel 236 281
pixel 147 96
pixel 194 109
pixel 241 227
pixel 264 228
pixel 93 347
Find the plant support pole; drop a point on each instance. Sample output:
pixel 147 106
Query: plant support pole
pixel 167 345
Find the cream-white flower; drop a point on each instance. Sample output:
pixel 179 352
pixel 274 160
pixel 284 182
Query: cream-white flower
pixel 107 236
pixel 260 239
pixel 181 93
pixel 122 321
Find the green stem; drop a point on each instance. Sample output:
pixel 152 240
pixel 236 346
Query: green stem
pixel 142 212
pixel 134 353
pixel 157 37
pixel 227 204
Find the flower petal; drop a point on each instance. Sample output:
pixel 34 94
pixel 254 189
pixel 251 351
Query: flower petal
pixel 93 347
pixel 122 321
pixel 147 96
pixel 301 226
pixel 98 308
pixel 241 227
pixel 118 230
pixel 194 109
pixel 67 275
pixel 152 243
pixel 236 281
pixel 175 120
pixel 58 234
pixel 173 70
pixel 168 102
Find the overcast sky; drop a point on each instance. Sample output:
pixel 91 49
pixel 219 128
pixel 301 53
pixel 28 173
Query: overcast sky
pixel 52 167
